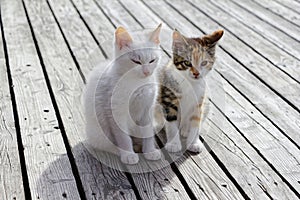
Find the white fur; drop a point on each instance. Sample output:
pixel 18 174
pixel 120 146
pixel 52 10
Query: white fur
pixel 193 92
pixel 111 90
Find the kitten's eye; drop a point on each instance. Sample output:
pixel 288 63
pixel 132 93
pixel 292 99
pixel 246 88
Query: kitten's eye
pixel 204 63
pixel 151 61
pixel 136 61
pixel 187 63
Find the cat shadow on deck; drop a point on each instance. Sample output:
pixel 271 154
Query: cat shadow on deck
pixel 107 180
pixel 104 180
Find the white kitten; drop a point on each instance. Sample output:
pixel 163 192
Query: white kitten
pixel 119 98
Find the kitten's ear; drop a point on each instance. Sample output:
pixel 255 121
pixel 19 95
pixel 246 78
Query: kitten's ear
pixel 212 39
pixel 154 36
pixel 178 38
pixel 122 37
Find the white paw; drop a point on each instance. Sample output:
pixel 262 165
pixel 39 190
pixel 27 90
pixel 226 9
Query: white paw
pixel 129 158
pixel 173 147
pixel 196 147
pixel 154 155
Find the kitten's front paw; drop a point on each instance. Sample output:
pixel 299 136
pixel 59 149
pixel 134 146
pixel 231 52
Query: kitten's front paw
pixel 184 131
pixel 173 147
pixel 196 147
pixel 154 155
pixel 129 158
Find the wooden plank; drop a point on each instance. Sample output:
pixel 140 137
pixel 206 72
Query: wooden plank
pixel 11 183
pixel 103 32
pixel 270 18
pixel 261 164
pixel 270 142
pixel 266 30
pixel 252 173
pixel 43 144
pixel 276 56
pixel 293 5
pixel 272 106
pixel 281 11
pixel 98 180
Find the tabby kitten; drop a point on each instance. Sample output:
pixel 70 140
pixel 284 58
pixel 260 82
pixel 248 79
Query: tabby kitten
pixel 182 89
pixel 128 80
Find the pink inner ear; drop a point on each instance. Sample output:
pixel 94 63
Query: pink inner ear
pixel 154 37
pixel 123 42
pixel 122 37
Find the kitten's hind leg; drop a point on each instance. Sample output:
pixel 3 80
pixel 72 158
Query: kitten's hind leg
pixel 173 137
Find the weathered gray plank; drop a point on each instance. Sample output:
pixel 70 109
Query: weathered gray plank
pixel 11 183
pixel 82 44
pixel 99 181
pixel 271 143
pixel 41 138
pixel 271 105
pixel 102 28
pixel 272 187
pixel 281 11
pixel 271 18
pixel 293 5
pixel 268 50
pixel 266 30
pixel 252 173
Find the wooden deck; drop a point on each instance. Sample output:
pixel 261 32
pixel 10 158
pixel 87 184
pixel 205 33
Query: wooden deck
pixel 252 137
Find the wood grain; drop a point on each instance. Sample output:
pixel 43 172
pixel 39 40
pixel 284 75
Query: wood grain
pixel 269 32
pixel 293 5
pixel 41 136
pixel 270 18
pixel 11 183
pixel 281 11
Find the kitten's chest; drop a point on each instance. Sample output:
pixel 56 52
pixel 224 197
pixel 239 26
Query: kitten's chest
pixel 134 94
pixel 191 97
pixel 192 93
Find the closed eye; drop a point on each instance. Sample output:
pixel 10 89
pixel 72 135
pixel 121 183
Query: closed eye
pixel 136 61
pixel 151 61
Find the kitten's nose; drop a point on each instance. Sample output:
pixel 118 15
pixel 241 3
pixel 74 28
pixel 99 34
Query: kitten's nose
pixel 146 70
pixel 146 73
pixel 196 74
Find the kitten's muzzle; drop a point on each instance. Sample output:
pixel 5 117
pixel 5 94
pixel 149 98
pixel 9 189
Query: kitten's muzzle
pixel 146 70
pixel 195 72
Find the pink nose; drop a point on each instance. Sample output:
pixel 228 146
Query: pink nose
pixel 146 73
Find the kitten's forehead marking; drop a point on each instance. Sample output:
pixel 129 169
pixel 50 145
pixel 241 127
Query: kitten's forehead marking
pixel 196 55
